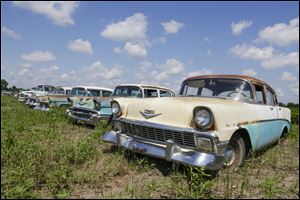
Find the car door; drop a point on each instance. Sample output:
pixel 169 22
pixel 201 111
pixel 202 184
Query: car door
pixel 266 128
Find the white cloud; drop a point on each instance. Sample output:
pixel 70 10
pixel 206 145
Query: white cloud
pixel 206 39
pixel 24 72
pixel 145 66
pixel 251 52
pixel 133 28
pixel 279 92
pixel 249 72
pixel 208 52
pixel 49 71
pixel 118 50
pixel 160 40
pixel 172 26
pixel 80 45
pixel 281 34
pixel 291 59
pixel 170 67
pixel 60 12
pixel 287 76
pixel 294 88
pixel 38 56
pixel 25 65
pixel 204 71
pixel 10 33
pixel 98 70
pixel 238 27
pixel 135 50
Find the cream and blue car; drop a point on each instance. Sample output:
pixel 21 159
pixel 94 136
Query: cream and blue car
pixel 216 120
pixel 86 103
pixel 59 97
pixel 90 110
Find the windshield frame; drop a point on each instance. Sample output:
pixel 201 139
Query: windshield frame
pixel 253 100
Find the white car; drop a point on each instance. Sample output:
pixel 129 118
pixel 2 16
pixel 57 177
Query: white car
pixel 216 120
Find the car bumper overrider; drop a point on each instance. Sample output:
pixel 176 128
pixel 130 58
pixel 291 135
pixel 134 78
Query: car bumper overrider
pixel 169 150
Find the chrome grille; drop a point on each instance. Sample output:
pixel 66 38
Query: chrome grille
pixel 82 113
pixel 160 135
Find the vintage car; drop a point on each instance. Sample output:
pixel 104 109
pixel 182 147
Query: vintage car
pixel 59 97
pixel 214 122
pixel 40 90
pixel 85 103
pixel 24 95
pixel 88 112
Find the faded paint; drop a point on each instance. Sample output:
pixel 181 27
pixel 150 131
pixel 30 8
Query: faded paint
pixel 228 114
pixel 264 133
pixel 248 78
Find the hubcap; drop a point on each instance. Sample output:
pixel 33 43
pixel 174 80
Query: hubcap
pixel 229 156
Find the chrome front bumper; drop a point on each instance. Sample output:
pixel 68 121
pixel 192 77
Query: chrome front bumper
pixel 93 119
pixel 41 108
pixel 169 151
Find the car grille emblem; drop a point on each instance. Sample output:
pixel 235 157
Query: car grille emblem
pixel 149 114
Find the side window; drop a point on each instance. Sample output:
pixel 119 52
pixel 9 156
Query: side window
pixel 150 93
pixel 269 97
pixel 68 92
pixel 106 93
pixel 259 94
pixel 94 93
pixel 206 92
pixel 163 93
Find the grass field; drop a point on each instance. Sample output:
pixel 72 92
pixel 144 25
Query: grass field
pixel 44 155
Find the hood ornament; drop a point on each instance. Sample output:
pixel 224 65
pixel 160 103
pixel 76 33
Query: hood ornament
pixel 149 114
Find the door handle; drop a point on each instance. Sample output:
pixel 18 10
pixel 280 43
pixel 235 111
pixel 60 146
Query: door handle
pixel 271 108
pixel 279 108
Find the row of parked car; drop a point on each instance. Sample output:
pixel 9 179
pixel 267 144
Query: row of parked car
pixel 87 104
pixel 215 121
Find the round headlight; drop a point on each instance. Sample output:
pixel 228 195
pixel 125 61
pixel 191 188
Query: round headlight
pixel 115 108
pixel 203 118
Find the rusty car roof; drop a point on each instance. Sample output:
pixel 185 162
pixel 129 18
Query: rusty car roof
pixel 248 78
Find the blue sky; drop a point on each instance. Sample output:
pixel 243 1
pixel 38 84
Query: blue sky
pixel 109 43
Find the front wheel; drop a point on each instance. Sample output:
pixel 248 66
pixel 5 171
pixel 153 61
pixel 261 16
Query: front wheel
pixel 235 152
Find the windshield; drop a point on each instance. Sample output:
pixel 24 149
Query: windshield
pixel 217 87
pixel 40 88
pixel 93 92
pixel 59 91
pixel 127 91
pixel 78 92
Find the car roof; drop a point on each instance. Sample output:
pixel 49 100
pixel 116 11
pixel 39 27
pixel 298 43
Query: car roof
pixel 248 78
pixel 147 86
pixel 64 87
pixel 45 85
pixel 93 87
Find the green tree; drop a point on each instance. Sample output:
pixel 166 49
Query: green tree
pixel 14 88
pixel 4 84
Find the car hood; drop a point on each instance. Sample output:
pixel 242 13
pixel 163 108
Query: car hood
pixel 174 111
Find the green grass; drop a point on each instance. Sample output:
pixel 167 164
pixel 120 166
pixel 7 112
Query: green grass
pixel 44 155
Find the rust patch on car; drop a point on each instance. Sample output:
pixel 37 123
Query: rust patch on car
pixel 247 122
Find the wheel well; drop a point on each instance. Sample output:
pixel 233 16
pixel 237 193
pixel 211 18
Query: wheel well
pixel 284 131
pixel 245 135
